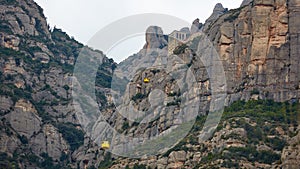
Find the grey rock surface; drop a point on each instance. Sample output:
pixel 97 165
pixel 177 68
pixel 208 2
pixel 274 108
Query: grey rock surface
pixel 155 38
pixel 246 2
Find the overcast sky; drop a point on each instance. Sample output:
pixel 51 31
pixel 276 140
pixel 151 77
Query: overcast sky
pixel 84 18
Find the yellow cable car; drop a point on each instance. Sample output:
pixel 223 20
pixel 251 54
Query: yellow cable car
pixel 105 145
pixel 146 80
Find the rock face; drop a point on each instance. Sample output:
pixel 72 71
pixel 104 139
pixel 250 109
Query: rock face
pixel 156 45
pixel 252 41
pixel 246 2
pixel 291 154
pixel 155 38
pixel 258 47
pixel 217 12
pixel 196 26
pixel 10 42
pixel 24 119
pixel 37 118
pixel 5 104
pixel 49 141
pixel 25 18
pixel 176 159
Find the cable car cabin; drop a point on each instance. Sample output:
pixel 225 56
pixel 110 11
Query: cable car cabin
pixel 105 145
pixel 146 80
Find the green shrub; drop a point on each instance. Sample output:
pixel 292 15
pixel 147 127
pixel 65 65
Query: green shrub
pixel 276 143
pixel 174 103
pixel 101 98
pixel 4 26
pixel 125 125
pixel 180 49
pixel 251 154
pixel 139 166
pixel 8 162
pixel 23 139
pixel 210 157
pixel 138 96
pixel 107 161
pixel 66 87
pixel 71 134
pixel 48 161
pixel 236 106
pixel 255 91
pixel 234 14
pixel 103 79
pixel 8 2
pixel 172 94
pixel 231 18
pixel 34 49
pixel 63 157
pixel 230 164
pixel 154 71
pixel 254 134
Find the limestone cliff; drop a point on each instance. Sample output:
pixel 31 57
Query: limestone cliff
pixel 258 46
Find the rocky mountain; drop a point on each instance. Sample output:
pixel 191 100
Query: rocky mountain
pixel 39 126
pixel 257 46
pixel 258 49
pixel 251 40
pixel 217 12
